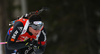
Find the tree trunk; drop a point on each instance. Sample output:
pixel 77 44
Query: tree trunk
pixel 3 21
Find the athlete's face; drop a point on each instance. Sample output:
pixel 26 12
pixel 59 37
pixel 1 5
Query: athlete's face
pixel 34 32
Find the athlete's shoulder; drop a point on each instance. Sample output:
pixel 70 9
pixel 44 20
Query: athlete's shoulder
pixel 22 20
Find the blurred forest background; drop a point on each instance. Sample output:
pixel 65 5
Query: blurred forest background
pixel 72 26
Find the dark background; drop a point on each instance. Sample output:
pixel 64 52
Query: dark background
pixel 72 26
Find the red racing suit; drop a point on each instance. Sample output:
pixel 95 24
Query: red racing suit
pixel 20 32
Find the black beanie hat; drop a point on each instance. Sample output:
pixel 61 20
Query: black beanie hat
pixel 34 18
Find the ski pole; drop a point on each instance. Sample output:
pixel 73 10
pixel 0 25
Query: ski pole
pixel 3 42
pixel 16 41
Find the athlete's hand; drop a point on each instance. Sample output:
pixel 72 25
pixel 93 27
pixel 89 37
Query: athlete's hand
pixel 32 42
pixel 28 42
pixel 35 42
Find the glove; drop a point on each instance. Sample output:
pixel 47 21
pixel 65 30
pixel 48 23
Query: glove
pixel 29 42
pixel 35 43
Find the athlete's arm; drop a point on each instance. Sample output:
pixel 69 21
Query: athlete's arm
pixel 42 40
pixel 12 44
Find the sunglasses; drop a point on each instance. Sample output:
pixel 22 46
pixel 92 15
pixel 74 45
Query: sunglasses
pixel 37 25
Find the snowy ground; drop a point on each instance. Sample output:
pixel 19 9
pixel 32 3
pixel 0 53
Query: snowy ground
pixel 0 45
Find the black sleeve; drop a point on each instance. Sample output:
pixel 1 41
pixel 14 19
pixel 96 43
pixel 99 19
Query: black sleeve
pixel 42 38
pixel 11 43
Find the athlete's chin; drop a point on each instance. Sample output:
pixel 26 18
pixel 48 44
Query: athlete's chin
pixel 35 34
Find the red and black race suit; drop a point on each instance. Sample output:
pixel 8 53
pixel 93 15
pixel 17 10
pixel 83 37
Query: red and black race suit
pixel 14 34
